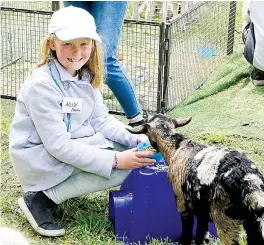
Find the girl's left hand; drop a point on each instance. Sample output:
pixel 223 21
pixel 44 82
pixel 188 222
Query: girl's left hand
pixel 142 137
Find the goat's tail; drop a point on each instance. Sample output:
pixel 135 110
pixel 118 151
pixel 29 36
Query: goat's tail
pixel 254 224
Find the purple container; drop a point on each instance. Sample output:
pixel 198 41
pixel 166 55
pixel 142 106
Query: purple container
pixel 145 208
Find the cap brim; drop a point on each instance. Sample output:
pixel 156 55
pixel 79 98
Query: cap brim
pixel 67 35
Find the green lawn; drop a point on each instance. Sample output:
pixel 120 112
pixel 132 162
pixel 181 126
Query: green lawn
pixel 228 111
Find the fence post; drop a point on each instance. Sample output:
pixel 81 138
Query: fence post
pixel 231 27
pixel 166 48
pixel 160 66
pixel 55 5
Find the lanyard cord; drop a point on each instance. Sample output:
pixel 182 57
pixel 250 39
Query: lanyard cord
pixel 68 121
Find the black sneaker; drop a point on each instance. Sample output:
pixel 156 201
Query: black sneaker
pixel 257 77
pixel 135 124
pixel 38 209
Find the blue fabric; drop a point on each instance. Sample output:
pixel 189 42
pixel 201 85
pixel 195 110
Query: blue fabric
pixel 109 17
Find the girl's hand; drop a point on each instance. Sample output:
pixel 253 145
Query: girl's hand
pixel 142 137
pixel 131 159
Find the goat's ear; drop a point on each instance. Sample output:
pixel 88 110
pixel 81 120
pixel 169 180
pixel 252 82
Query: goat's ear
pixel 141 129
pixel 179 122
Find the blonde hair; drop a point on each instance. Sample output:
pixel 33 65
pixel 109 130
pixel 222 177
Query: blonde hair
pixel 94 66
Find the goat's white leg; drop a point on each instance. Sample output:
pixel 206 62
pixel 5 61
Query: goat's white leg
pixel 187 226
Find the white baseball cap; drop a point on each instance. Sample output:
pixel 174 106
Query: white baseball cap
pixel 71 23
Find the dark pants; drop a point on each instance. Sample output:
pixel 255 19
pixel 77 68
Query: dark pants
pixel 248 37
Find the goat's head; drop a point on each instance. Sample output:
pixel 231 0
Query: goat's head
pixel 158 126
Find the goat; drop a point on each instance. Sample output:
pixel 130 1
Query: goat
pixel 215 184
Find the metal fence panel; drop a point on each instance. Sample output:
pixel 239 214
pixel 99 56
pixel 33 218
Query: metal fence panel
pixel 165 61
pixel 139 53
pixel 32 5
pixel 21 35
pixel 24 30
pixel 199 43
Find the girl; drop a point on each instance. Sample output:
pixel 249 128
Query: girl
pixel 63 142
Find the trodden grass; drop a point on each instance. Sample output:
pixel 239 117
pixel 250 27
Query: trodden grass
pixel 227 111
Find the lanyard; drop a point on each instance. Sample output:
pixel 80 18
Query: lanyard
pixel 68 120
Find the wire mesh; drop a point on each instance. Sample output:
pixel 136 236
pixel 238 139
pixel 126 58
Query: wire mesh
pixel 21 37
pixel 173 58
pixel 199 43
pixel 157 10
pixel 139 54
pixel 33 5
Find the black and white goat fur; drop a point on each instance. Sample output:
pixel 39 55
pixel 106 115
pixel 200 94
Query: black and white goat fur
pixel 212 183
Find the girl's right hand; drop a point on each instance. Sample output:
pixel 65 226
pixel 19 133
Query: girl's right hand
pixel 132 158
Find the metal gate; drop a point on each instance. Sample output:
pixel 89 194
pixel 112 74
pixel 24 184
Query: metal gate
pixel 166 61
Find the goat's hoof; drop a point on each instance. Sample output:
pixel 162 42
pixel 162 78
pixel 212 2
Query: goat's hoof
pixel 184 241
pixel 201 241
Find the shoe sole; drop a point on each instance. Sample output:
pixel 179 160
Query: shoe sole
pixel 257 82
pixel 31 220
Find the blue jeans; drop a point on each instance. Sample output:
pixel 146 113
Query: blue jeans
pixel 109 17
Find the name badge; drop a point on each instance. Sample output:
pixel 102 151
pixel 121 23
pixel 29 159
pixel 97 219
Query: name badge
pixel 72 105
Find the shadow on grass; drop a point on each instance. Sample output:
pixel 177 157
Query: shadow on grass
pixel 228 75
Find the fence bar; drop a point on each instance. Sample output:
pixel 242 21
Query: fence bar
pixel 8 97
pixel 231 28
pixel 166 67
pixel 55 5
pixel 26 11
pixel 160 66
pixel 160 57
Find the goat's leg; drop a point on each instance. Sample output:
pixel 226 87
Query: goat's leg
pixel 254 230
pixel 227 228
pixel 202 234
pixel 187 225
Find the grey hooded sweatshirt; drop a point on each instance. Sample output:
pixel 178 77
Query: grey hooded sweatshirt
pixel 42 152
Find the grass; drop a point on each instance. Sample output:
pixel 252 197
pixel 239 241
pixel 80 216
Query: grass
pixel 227 111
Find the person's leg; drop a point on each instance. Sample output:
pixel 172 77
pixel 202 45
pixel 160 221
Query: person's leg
pixel 81 183
pixel 79 4
pixel 38 206
pixel 257 77
pixel 109 17
pixel 248 36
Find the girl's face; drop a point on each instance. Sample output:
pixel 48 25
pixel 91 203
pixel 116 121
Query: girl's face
pixel 73 54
